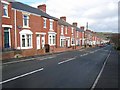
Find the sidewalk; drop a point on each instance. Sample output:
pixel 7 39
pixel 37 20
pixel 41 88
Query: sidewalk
pixel 109 76
pixel 35 56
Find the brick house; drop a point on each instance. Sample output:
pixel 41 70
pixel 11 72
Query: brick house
pixel 63 35
pixel 29 31
pixel 7 33
pixel 89 37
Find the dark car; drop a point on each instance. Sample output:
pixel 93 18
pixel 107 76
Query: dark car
pixel 101 45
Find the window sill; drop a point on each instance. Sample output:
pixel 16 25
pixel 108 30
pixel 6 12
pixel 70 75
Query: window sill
pixel 51 30
pixel 5 16
pixel 72 44
pixel 52 44
pixel 62 34
pixel 44 27
pixel 24 47
pixel 26 27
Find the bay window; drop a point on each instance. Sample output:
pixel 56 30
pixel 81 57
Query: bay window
pixel 26 39
pixel 52 39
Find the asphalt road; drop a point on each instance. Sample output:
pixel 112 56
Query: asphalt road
pixel 75 69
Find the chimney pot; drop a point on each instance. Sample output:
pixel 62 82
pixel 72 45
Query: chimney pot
pixel 82 27
pixel 75 24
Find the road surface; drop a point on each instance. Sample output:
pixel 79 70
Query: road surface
pixel 74 69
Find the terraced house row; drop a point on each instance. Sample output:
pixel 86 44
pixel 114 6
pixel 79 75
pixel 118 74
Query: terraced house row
pixel 29 31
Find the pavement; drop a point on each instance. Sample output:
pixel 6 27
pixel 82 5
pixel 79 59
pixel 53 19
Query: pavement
pixel 109 76
pixel 75 69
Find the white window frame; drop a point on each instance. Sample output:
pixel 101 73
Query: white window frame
pixel 44 22
pixel 77 34
pixel 62 41
pixel 62 30
pixel 66 30
pixel 51 24
pixel 72 39
pixel 26 32
pixel 5 7
pixel 50 41
pixel 26 26
pixel 72 30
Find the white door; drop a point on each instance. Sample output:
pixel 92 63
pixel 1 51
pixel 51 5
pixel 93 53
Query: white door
pixel 38 41
pixel 68 42
pixel 43 41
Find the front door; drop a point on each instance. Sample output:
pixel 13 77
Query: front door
pixel 6 38
pixel 38 41
pixel 43 41
pixel 68 42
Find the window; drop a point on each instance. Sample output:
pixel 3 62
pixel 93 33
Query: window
pixel 61 42
pixel 51 25
pixel 5 10
pixel 44 22
pixel 25 20
pixel 66 30
pixel 52 39
pixel 77 34
pixel 23 40
pixel 7 38
pixel 26 40
pixel 72 29
pixel 62 30
pixel 73 41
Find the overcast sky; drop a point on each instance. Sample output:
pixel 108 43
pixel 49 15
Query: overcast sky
pixel 101 15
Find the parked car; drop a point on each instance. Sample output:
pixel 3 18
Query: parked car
pixel 101 45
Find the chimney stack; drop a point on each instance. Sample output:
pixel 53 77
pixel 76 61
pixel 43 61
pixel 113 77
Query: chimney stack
pixel 82 27
pixel 42 7
pixel 75 24
pixel 63 18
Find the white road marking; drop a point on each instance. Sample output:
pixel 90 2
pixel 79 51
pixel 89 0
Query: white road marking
pixel 45 58
pixel 66 61
pixel 81 55
pixel 26 60
pixel 20 76
pixel 18 61
pixel 92 52
pixel 85 54
pixel 96 81
pixel 82 50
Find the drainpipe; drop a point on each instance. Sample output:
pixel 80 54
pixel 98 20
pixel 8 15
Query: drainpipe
pixel 15 29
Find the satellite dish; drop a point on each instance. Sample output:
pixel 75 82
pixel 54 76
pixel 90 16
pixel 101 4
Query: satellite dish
pixel 19 27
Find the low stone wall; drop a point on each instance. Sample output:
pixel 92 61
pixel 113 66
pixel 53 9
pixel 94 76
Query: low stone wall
pixel 7 55
pixel 33 52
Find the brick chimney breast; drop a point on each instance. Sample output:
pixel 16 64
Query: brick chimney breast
pixel 63 18
pixel 75 24
pixel 82 27
pixel 42 7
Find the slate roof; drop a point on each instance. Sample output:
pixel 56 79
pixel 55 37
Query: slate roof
pixel 78 29
pixel 61 22
pixel 25 7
